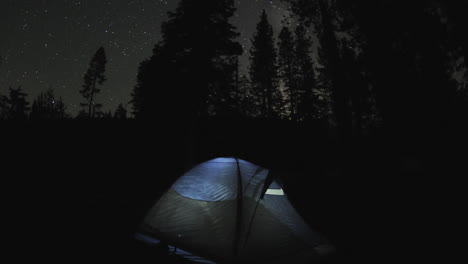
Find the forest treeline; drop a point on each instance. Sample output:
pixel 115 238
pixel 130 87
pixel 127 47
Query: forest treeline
pixel 379 64
pixel 47 106
pixel 355 65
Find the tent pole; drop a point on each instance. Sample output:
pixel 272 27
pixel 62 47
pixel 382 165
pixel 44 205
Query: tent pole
pixel 266 183
pixel 238 215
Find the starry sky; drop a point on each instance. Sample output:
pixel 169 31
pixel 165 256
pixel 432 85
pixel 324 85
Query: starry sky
pixel 49 43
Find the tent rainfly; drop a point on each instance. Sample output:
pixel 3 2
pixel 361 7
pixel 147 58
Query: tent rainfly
pixel 229 210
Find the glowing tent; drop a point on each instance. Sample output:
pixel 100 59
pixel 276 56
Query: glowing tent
pixel 231 211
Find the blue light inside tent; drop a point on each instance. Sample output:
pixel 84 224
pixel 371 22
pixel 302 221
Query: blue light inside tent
pixel 209 181
pixel 216 180
pixel 223 160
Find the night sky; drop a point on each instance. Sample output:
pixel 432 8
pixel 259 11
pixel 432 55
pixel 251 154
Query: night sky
pixel 49 43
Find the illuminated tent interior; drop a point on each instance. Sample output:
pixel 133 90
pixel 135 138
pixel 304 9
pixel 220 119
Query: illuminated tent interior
pixel 229 210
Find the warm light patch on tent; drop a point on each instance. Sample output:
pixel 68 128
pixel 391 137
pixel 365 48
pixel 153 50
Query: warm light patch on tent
pixel 275 192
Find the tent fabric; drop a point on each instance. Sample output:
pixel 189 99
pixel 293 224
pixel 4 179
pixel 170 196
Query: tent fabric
pixel 203 214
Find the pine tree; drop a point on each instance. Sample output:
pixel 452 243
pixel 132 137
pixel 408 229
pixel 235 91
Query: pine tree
pixel 264 69
pixel 244 97
pixel 47 106
pixel 288 70
pixel 192 66
pixel 308 102
pixel 407 52
pixel 225 94
pixel 120 113
pixel 4 107
pixel 324 14
pixel 458 20
pixel 297 72
pixel 106 115
pixel 323 87
pixel 17 104
pixel 93 77
pixel 82 114
pixel 247 97
pixel 143 91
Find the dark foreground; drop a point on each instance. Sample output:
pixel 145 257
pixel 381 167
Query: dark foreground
pixel 77 191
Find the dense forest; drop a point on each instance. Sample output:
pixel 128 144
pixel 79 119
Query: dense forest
pixel 364 102
pixel 383 65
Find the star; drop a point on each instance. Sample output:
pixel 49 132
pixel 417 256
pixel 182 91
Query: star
pixel 58 40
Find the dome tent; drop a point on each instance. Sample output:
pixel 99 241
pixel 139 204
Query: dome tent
pixel 228 210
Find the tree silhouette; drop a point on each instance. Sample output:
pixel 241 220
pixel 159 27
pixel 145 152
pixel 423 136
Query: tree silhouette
pixel 106 115
pixel 222 96
pixel 93 77
pixel 82 114
pixel 330 19
pixel 455 13
pixel 192 66
pixel 308 102
pixel 47 106
pixel 457 20
pixel 141 106
pixel 4 107
pixel 330 45
pixel 323 87
pixel 18 106
pixel 247 96
pixel 264 68
pixel 361 100
pixel 407 52
pixel 288 68
pixel 243 95
pixel 120 113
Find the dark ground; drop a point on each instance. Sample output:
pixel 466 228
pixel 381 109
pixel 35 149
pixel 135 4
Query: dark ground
pixel 76 191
